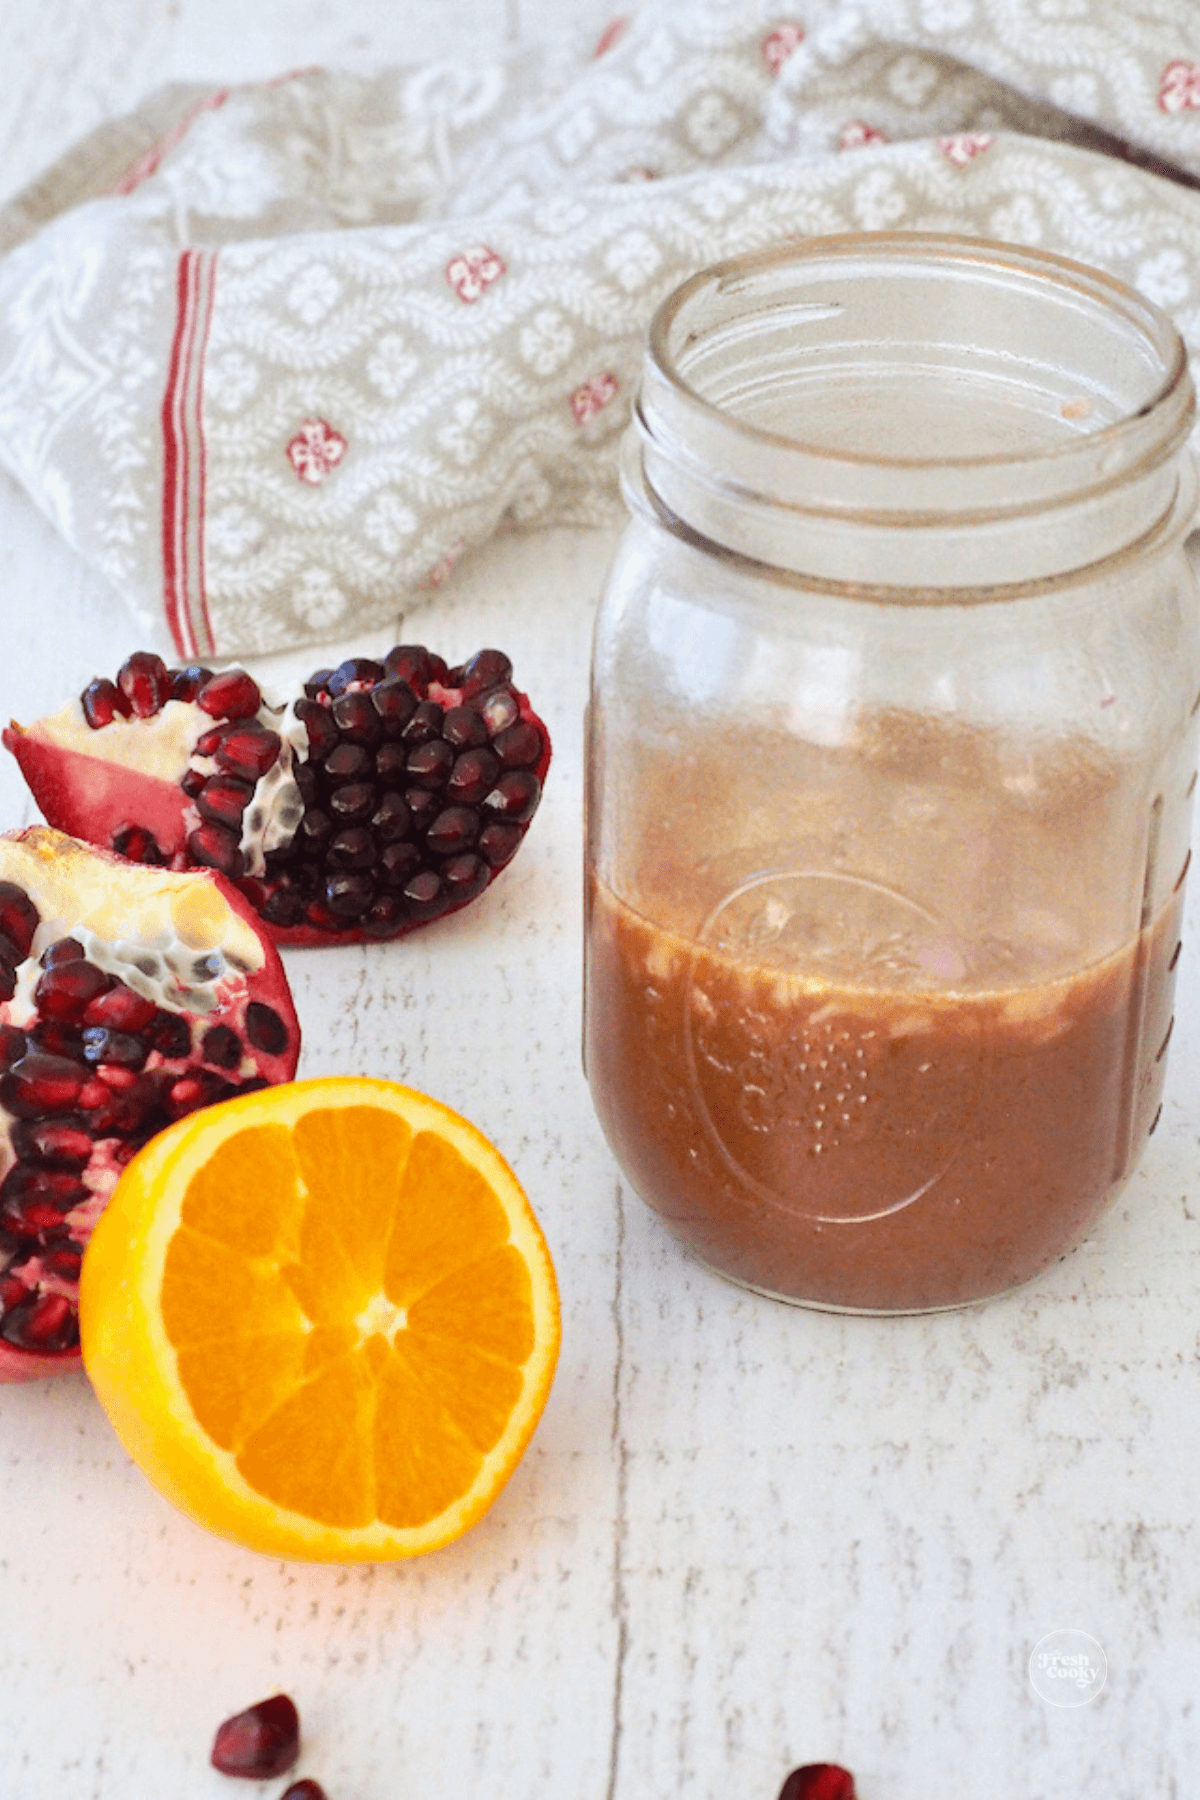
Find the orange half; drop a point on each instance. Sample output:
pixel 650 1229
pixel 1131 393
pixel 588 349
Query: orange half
pixel 323 1319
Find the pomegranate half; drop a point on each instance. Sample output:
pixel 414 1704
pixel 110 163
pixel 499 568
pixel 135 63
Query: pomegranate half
pixel 386 795
pixel 129 996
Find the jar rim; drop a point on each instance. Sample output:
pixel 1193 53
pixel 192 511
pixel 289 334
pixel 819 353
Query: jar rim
pixel 1173 401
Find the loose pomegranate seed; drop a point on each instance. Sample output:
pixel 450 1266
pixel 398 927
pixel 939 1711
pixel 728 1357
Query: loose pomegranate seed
pixel 514 797
pixel 60 1143
pixel 232 695
pixel 224 800
pixel 474 774
pixel 136 844
pixel 47 1324
pixel 260 1742
pixel 323 734
pixel 356 718
pixel 248 750
pixel 41 1083
pixel 307 1789
pixel 215 847
pixel 453 830
pixel 484 670
pixel 121 1009
pixel 395 703
pixel 818 1781
pixel 146 683
pixel 498 843
pixel 221 1047
pixel 355 668
pixel 19 917
pixel 265 1029
pixel 498 709
pixel 102 702
pixel 67 989
pixel 518 746
pixel 186 683
pixel 430 764
pixel 464 728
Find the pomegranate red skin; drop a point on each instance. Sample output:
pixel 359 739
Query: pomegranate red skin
pixel 269 985
pixel 92 799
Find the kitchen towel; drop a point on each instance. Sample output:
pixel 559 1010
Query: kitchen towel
pixel 274 357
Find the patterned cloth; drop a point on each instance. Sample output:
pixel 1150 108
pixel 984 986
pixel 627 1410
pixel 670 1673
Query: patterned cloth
pixel 274 357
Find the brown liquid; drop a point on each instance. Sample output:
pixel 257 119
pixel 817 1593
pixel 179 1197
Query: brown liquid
pixel 864 1144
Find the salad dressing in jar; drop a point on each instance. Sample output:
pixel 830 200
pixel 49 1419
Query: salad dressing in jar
pixel 891 751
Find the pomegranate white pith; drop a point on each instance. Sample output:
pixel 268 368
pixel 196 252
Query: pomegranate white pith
pixel 388 794
pixel 129 997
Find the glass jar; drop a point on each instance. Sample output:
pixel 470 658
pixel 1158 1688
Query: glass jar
pixel 892 743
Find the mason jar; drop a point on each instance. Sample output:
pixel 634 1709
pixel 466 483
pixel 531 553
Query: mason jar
pixel 892 742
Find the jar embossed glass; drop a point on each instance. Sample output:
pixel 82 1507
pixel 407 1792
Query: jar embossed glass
pixel 892 741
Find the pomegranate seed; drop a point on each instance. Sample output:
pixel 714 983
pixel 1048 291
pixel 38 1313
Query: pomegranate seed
pixel 464 877
pixel 59 1142
pixel 146 683
pixel 348 894
pixel 317 683
pixel 47 1324
pixel 391 761
pixel 121 1009
pixel 818 1781
pixel 209 742
pixel 498 843
pixel 485 669
pixel 60 1188
pixel 215 847
pixel 33 1217
pixel 518 746
pixel 353 802
pixel 102 702
pixel 353 848
pixel 320 729
pixel 260 1742
pixel 192 781
pixel 385 915
pixel 464 728
pixel 40 1083
pixel 186 683
pixel 232 695
pixel 283 907
pixel 424 804
pixel 19 917
pixel 171 1035
pixel 356 718
pixel 349 762
pixel 57 1037
pixel 249 751
pixel 425 724
pixel 224 800
pixel 265 1029
pixel 12 1291
pixel 221 1047
pixel 391 819
pixel 425 894
pixel 8 971
pixel 498 709
pixel 64 1260
pixel 515 797
pixel 316 829
pixel 116 1078
pixel 395 703
pixel 305 777
pixel 66 990
pixel 474 774
pixel 453 830
pixel 412 663
pixel 355 668
pixel 137 845
pixel 13 1044
pixel 307 1789
pixel 398 863
pixel 100 1045
pixel 317 914
pixel 66 949
pixel 430 764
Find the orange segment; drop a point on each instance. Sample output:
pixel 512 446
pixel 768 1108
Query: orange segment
pixel 323 1319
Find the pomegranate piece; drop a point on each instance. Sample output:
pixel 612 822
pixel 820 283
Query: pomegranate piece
pixel 303 806
pixel 818 1781
pixel 260 1742
pixel 305 1789
pixel 143 994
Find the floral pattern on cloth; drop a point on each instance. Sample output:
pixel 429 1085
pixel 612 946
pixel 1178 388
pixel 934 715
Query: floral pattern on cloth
pixel 275 357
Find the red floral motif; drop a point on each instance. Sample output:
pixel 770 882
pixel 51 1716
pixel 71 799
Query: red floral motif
pixel 965 146
pixel 778 45
pixel 612 33
pixel 472 271
pixel 857 133
pixel 1179 88
pixel 593 397
pixel 316 450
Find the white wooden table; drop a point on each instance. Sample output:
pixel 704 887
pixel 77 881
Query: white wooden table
pixel 744 1536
